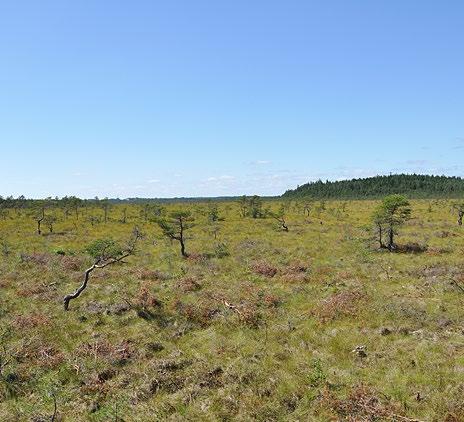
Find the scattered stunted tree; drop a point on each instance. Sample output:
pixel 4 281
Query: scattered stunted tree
pixel 49 221
pixel 3 213
pixel 148 210
pixel 213 213
pixel 252 207
pixel 390 214
pixel 104 252
pixel 214 230
pixel 308 204
pixel 243 206
pixel 75 203
pixel 280 217
pixel 39 217
pixel 175 225
pixel 93 220
pixel 256 207
pixel 105 205
pixel 124 215
pixel 145 211
pixel 459 207
pixel 320 207
pixel 379 222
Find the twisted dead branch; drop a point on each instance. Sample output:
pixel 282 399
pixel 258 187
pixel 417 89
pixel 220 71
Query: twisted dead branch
pixel 101 262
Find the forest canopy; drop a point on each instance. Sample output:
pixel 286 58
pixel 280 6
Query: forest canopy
pixel 412 185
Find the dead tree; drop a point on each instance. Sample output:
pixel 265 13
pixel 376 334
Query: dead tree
pixel 105 252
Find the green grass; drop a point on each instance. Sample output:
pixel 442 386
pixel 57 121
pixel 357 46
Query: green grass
pixel 282 350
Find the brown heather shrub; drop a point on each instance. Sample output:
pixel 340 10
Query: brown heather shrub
pixel 30 321
pixel 103 349
pixel 28 291
pixel 296 272
pixel 72 263
pixel 272 301
pixel 250 316
pixel 189 284
pixel 97 348
pixel 323 271
pixel 411 247
pixel 48 357
pixel 455 406
pixel 201 312
pixel 445 234
pixel 35 258
pixel 264 268
pixel 435 251
pixel 4 284
pixel 297 267
pixel 146 274
pixel 344 303
pixel 145 299
pixel 296 278
pixel 198 258
pixel 93 387
pixel 363 404
pixel 38 353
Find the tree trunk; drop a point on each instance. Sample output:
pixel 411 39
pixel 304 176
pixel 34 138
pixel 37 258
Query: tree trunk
pixel 390 239
pixel 461 214
pixel 381 245
pixel 78 292
pixel 182 248
pixel 39 222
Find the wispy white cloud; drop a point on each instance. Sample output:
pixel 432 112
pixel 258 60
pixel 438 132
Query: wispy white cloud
pixel 460 144
pixel 259 163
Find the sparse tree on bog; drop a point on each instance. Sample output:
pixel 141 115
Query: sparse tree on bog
pixel 3 213
pixel 175 225
pixel 308 204
pixel 390 214
pixel 256 207
pixel 213 213
pixel 459 207
pixel 105 205
pixel 280 217
pixel 39 217
pixel 243 206
pixel 49 221
pixel 148 210
pixel 124 215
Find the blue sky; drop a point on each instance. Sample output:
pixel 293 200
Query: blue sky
pixel 192 98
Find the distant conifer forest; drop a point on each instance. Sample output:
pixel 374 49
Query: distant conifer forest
pixel 412 185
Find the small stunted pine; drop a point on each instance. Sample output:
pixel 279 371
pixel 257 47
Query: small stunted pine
pixel 390 214
pixel 39 217
pixel 213 213
pixel 251 207
pixel 175 225
pixel 49 221
pixel 280 217
pixel 459 207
